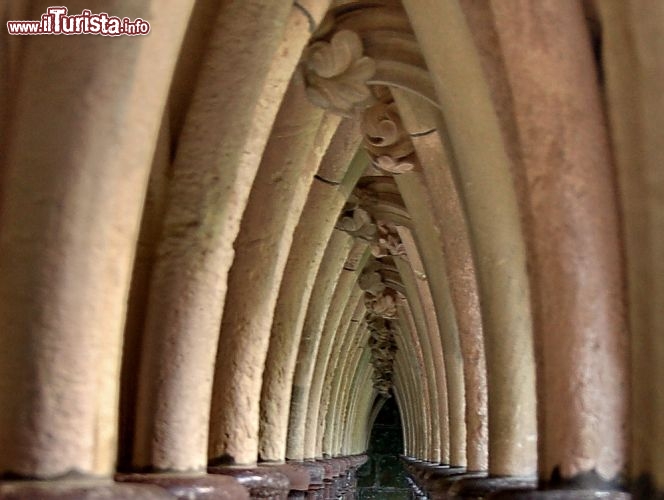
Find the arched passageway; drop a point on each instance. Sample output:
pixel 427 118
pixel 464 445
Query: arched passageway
pixel 225 242
pixel 382 476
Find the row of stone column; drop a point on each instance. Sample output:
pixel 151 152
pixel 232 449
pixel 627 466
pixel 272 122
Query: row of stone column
pixel 520 125
pixel 173 180
pixel 243 298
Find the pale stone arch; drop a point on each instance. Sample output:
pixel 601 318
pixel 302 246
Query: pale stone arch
pixel 325 203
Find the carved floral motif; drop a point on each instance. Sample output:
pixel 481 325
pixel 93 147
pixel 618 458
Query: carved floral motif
pixel 358 223
pixel 381 300
pixel 386 140
pixel 388 241
pixel 383 350
pixel 372 283
pixel 383 305
pixel 337 72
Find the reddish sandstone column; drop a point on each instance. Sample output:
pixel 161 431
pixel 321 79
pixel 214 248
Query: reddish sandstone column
pixel 580 327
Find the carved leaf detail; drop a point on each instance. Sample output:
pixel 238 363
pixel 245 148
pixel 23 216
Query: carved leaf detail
pixel 386 140
pixel 384 306
pixel 384 132
pixel 336 72
pixel 372 283
pixel 388 241
pixel 383 350
pixel 357 223
pixel 393 165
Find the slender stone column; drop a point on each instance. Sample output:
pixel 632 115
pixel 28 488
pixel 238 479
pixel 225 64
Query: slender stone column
pixel 72 195
pixel 362 357
pixel 365 389
pixel 455 289
pixel 146 246
pixel 341 353
pixel 581 343
pixel 407 374
pixel 632 44
pixel 415 193
pixel 418 375
pixel 494 219
pixel 292 155
pixel 361 365
pixel 405 421
pixel 360 410
pixel 426 325
pixel 422 282
pixel 338 342
pixel 357 349
pixel 340 299
pixel 401 385
pixel 363 432
pixel 339 246
pixel 326 198
pixel 219 152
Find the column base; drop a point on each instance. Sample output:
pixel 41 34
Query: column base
pixel 316 483
pixel 331 473
pixel 298 476
pixel 260 482
pixel 190 486
pixel 80 489
pixel 438 486
pixel 481 487
pixel 431 477
pixel 561 495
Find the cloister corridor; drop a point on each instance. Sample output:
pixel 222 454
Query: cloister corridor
pixel 332 249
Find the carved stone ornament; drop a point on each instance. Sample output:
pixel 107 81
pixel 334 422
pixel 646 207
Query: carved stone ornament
pixel 385 139
pixel 388 241
pixel 383 305
pixel 372 283
pixel 337 72
pixel 358 223
pixel 383 346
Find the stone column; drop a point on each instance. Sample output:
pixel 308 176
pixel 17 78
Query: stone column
pixel 579 306
pixel 435 198
pixel 348 356
pixel 292 155
pixel 339 353
pixel 85 123
pixel 326 198
pixel 339 246
pixel 470 121
pixel 632 44
pixel 340 299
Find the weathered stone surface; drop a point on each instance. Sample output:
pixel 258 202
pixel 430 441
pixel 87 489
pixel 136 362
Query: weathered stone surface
pixel 480 487
pixel 80 490
pixel 191 486
pixel 560 495
pixel 260 482
pixel 298 475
